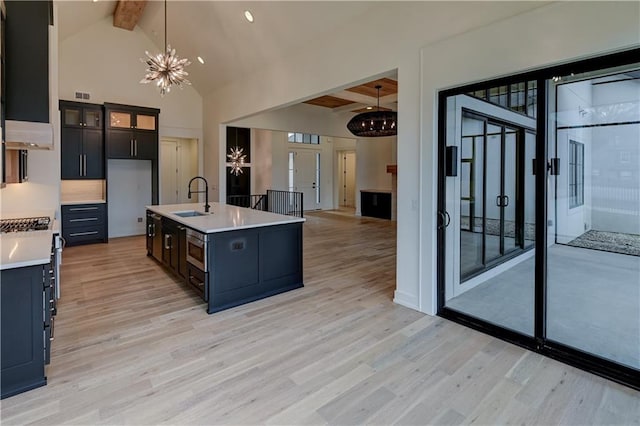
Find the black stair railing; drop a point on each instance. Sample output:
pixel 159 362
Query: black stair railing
pixel 275 201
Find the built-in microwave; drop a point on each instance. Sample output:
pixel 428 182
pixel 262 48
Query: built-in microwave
pixel 197 249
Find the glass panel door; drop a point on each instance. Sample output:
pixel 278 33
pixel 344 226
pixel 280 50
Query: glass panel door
pixel 489 274
pixel 471 195
pixel 493 164
pixel 593 278
pixel 511 166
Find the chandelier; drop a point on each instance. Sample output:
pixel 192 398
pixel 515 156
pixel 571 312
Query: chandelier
pixel 165 68
pixel 374 123
pixel 236 160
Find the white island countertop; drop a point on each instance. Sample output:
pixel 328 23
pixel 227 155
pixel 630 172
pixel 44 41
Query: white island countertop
pixel 20 249
pixel 222 217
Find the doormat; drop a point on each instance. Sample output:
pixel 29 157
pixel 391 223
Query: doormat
pixel 613 242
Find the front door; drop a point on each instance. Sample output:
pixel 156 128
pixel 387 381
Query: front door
pixel 304 176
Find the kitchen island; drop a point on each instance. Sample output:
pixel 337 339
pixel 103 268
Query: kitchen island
pixel 230 255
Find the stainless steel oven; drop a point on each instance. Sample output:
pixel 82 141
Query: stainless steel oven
pixel 197 249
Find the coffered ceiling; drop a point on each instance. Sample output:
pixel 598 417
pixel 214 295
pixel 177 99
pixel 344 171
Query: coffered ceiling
pixel 362 98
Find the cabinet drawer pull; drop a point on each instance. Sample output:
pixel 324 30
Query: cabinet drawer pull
pixel 82 209
pixel 194 281
pixel 53 328
pixel 80 234
pixel 88 219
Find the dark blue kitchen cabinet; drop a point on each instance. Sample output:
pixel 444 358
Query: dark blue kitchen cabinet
pixel 84 223
pixel 81 141
pixel 27 60
pixel 131 133
pixel 26 324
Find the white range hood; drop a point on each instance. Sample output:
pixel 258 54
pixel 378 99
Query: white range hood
pixel 28 135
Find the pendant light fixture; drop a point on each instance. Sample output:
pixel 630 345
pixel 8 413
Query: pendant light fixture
pixel 165 68
pixel 374 124
pixel 236 160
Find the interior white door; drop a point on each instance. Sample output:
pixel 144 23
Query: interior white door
pixel 169 172
pixel 306 177
pixel 348 179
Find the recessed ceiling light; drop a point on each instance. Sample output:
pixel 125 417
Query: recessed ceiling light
pixel 248 15
pixel 95 1
pixel 369 107
pixel 200 60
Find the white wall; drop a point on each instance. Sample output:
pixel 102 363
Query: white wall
pixel 427 58
pixel 372 157
pixel 270 164
pixel 341 145
pixel 129 191
pixel 372 154
pixel 261 161
pixel 105 61
pixel 571 99
pixel 615 172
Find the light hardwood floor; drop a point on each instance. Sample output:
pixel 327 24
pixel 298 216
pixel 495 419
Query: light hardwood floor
pixel 133 346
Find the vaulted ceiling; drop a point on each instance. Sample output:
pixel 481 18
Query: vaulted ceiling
pixel 218 32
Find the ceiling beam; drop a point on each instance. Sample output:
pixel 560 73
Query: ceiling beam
pixel 128 13
pixel 352 107
pixel 364 99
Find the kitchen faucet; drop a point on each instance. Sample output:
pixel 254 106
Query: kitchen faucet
pixel 206 192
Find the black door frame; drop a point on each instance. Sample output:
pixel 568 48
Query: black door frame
pixel 583 360
pixel 504 254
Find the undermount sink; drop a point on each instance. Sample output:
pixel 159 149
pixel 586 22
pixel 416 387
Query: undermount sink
pixel 189 213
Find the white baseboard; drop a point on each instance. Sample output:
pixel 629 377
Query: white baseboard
pixel 407 300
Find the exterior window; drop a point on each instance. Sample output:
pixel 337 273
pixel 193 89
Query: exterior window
pixel 519 97
pixel 305 138
pixel 576 174
pixel 291 171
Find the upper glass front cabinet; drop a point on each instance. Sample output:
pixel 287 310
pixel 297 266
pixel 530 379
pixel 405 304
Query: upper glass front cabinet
pixel 131 120
pixel 82 117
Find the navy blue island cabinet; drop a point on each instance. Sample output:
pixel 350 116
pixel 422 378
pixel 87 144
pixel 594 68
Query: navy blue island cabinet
pixel 254 263
pixel 229 255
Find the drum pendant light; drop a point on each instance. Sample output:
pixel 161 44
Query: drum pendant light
pixel 374 124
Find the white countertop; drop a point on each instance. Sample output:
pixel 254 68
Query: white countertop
pixel 222 217
pixel 19 249
pixel 73 203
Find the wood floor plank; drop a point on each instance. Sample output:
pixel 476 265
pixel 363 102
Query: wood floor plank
pixel 135 346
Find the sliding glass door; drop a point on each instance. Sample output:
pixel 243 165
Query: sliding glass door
pixel 593 256
pixel 539 211
pixel 491 275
